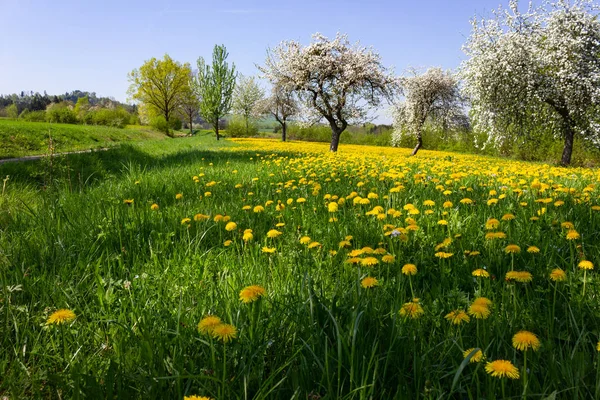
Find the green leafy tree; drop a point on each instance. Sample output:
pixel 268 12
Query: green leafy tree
pixel 160 84
pixel 12 111
pixel 82 107
pixel 214 85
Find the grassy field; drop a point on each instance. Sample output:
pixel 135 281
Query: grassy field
pixel 253 269
pixel 20 138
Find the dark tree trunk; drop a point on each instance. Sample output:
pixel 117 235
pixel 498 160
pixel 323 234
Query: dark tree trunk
pixel 167 118
pixel 568 149
pixel 283 131
pixel 335 139
pixel 191 122
pixel 246 126
pixel 419 143
pixel 217 128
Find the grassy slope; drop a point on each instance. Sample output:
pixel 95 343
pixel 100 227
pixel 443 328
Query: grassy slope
pixel 20 138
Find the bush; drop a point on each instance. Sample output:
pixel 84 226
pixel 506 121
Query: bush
pixel 175 123
pixel 117 117
pixel 236 127
pixel 33 116
pixel 61 113
pixel 12 111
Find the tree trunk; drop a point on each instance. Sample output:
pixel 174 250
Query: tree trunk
pixel 246 126
pixel 191 122
pixel 568 149
pixel 283 131
pixel 335 139
pixel 217 128
pixel 419 143
pixel 167 118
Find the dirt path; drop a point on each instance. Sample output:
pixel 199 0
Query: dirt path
pixel 33 158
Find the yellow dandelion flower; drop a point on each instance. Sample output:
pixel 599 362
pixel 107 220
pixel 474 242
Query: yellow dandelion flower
pixel 512 248
pixel 61 316
pixel 388 258
pixel 345 244
pixel 248 236
pixel 519 276
pixel 508 217
pixel 301 200
pixel 154 207
pixel 429 203
pixel 585 264
pixel 185 221
pixel 441 254
pixel 313 245
pixel 369 282
pixel 231 226
pixel 305 240
pixel 502 369
pixel 128 201
pixel 442 222
pixel 525 340
pixel 567 225
pixel 200 217
pixel 411 310
pixel 273 233
pixel 479 311
pixel 466 200
pixel 484 301
pixel 492 224
pixel 558 275
pixel 369 261
pixel 252 293
pixel 447 204
pixel 481 273
pixel 572 234
pixel 179 196
pixel 224 332
pixel 269 250
pixel 533 249
pixel 477 357
pixel 457 317
pixel 195 397
pixel 207 324
pixel 332 207
pixel 409 269
pixel 227 243
pixel 258 209
pixel 353 260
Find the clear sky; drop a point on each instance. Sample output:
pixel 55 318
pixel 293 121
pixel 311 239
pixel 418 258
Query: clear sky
pixel 63 45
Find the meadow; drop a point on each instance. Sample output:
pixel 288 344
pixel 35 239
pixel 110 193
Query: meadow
pixel 255 269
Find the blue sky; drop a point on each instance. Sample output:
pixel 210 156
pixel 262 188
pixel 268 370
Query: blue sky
pixel 63 45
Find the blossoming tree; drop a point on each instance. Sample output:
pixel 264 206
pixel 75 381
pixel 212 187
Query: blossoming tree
pixel 536 68
pixel 334 80
pixel 430 96
pixel 281 105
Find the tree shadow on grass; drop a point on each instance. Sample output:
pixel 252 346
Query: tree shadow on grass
pixel 89 169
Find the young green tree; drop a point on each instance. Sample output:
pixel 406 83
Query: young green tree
pixel 246 97
pixel 214 85
pixel 160 85
pixel 12 111
pixel 190 105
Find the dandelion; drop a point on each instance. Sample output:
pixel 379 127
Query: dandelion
pixel 195 397
pixel 344 244
pixel 409 269
pixel 369 261
pixel 388 259
pixel 411 310
pixel 224 332
pixel 480 273
pixel 179 196
pixel 508 217
pixel 585 264
pixel 525 340
pixel 442 222
pixel 477 357
pixel 558 275
pixel 268 250
pixel 533 249
pixel 247 236
pixel 200 217
pixel 258 209
pixel 305 240
pixel 227 243
pixel 60 317
pixel 502 369
pixel 273 233
pixel 492 224
pixel 512 249
pixel 447 204
pixel 369 282
pixel 572 234
pixel 457 317
pixel 332 207
pixel 154 207
pixel 208 323
pixel 466 200
pixel 128 201
pixel 185 221
pixel 301 200
pixel 441 254
pixel 231 226
pixel 519 276
pixel 252 293
pixel 313 245
pixel 479 311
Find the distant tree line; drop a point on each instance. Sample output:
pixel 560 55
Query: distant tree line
pixel 70 108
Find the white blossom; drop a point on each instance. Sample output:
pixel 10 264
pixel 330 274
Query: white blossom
pixel 539 68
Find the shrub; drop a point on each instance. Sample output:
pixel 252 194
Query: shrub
pixel 12 111
pixel 61 113
pixel 33 116
pixel 159 123
pixel 236 127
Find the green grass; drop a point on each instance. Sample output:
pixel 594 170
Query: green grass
pixel 20 138
pixel 140 280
